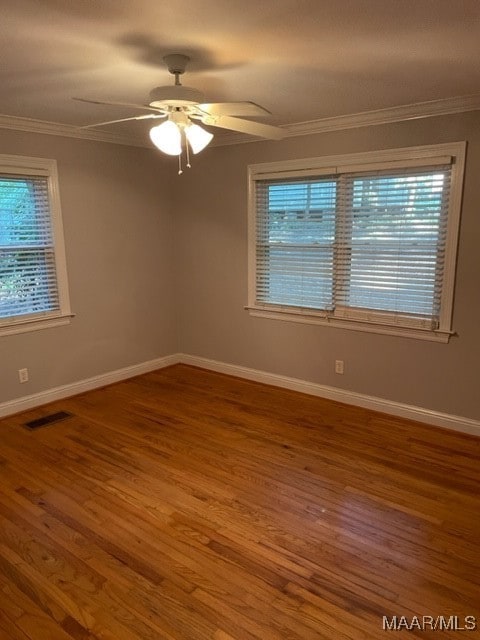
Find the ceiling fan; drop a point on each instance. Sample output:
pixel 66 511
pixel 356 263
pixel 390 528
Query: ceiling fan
pixel 181 107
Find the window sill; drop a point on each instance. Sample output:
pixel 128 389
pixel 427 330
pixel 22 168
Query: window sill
pixel 24 326
pixel 353 325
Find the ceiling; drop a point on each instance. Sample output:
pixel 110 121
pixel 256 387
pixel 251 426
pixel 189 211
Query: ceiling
pixel 301 59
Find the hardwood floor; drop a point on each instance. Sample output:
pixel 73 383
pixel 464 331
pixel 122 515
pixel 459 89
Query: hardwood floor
pixel 185 504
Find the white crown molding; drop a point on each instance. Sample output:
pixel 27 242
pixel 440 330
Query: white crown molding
pixel 443 106
pixel 67 130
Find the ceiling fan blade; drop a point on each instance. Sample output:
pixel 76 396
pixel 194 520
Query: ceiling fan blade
pixel 245 126
pixel 244 109
pixel 132 105
pixel 147 116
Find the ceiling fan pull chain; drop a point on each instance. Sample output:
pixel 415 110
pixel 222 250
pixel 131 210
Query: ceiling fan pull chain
pixel 180 170
pixel 189 166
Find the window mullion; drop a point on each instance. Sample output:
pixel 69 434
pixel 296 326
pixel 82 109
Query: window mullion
pixel 342 248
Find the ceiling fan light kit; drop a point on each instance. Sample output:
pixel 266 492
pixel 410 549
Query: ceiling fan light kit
pixel 198 137
pixel 167 137
pixel 181 104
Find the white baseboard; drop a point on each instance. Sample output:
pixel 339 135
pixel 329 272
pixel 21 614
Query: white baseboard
pixel 74 388
pixel 428 416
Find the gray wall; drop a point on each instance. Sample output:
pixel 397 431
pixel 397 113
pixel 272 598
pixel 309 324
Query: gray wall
pixel 118 230
pixel 157 264
pixel 211 279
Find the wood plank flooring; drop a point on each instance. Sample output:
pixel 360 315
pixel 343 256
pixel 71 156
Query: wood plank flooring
pixel 188 505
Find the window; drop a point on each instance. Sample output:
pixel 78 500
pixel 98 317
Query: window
pixel 366 241
pixel 33 285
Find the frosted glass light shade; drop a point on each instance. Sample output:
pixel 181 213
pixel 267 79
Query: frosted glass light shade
pixel 167 137
pixel 197 137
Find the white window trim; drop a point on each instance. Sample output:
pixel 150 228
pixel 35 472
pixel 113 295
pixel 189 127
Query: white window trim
pixel 330 165
pixel 29 166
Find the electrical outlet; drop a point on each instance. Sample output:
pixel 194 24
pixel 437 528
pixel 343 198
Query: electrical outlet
pixel 23 375
pixel 339 366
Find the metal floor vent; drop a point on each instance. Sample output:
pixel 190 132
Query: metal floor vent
pixel 46 420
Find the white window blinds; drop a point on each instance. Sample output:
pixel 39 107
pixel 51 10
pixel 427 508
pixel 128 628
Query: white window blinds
pixel 391 244
pixel 28 278
pixel 33 274
pixel 360 245
pixel 295 242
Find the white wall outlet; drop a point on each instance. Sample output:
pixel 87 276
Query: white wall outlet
pixel 23 375
pixel 339 366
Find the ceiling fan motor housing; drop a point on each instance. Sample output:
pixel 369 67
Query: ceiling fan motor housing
pixel 175 96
